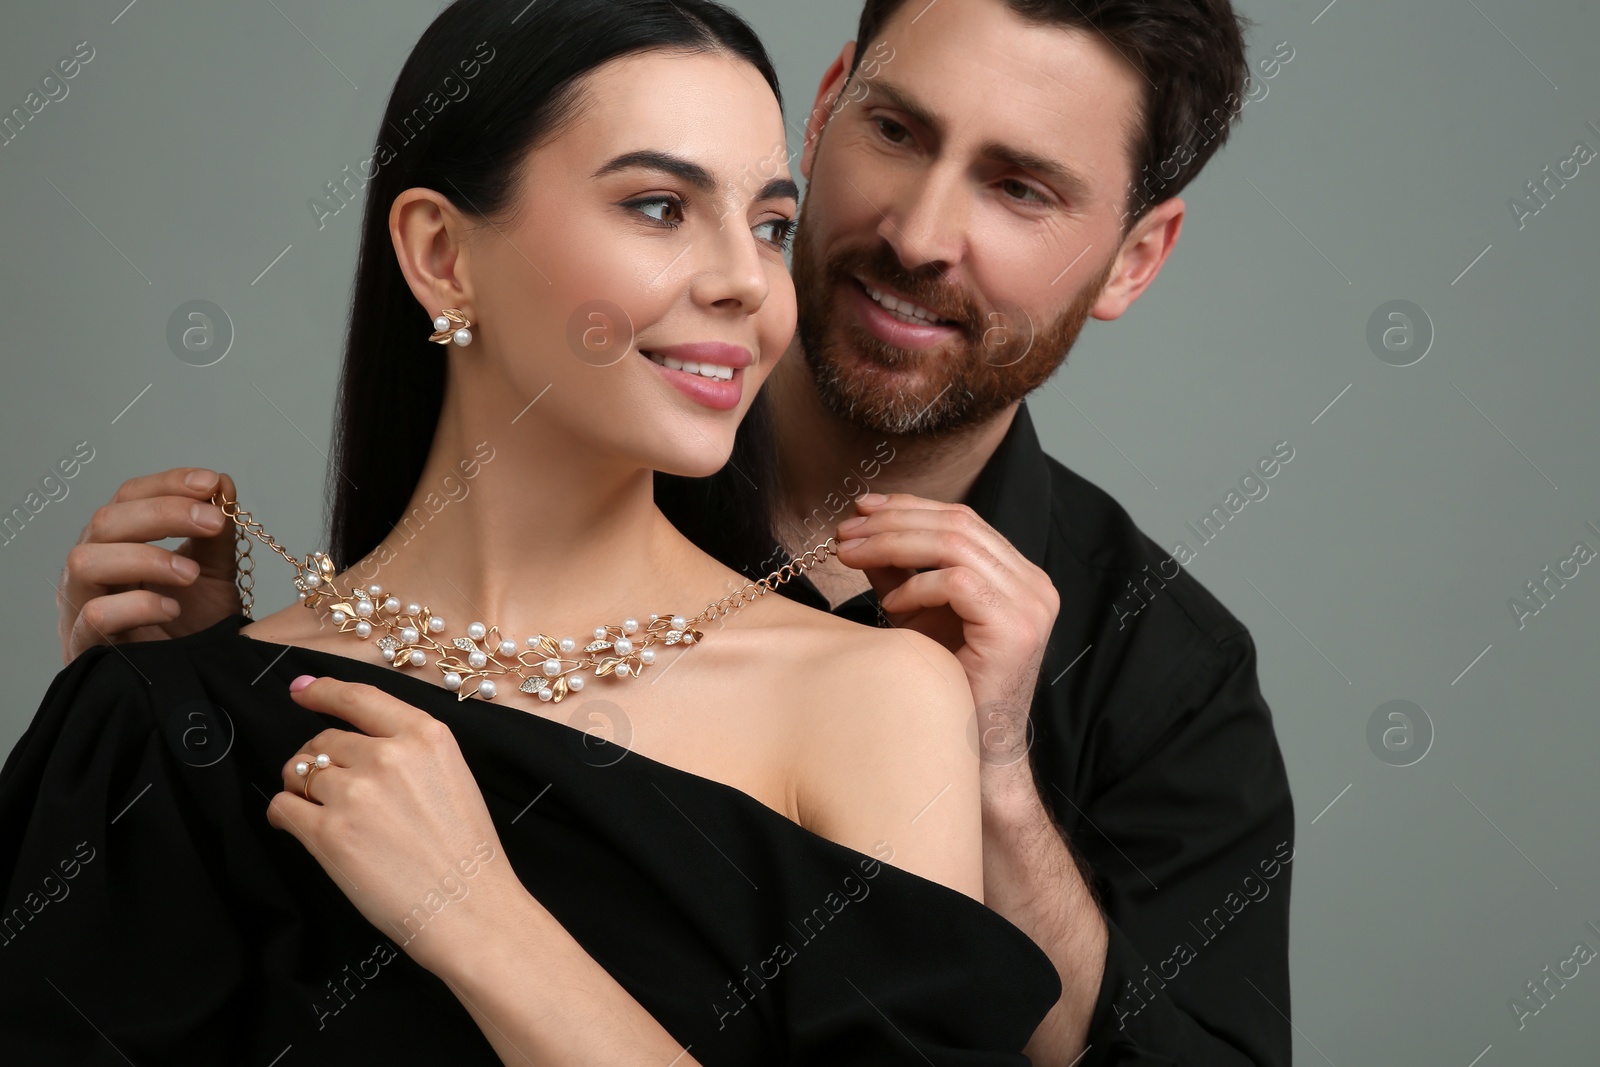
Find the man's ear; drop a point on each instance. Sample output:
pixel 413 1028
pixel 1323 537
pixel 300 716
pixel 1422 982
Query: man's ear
pixel 1140 258
pixel 428 236
pixel 827 96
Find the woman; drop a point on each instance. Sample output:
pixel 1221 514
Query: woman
pixel 782 861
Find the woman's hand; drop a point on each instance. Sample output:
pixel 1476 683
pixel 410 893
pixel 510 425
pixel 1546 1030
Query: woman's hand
pixel 398 822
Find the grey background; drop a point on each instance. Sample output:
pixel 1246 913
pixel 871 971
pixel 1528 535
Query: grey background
pixel 1419 500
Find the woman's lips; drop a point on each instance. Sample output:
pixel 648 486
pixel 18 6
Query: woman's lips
pixel 714 394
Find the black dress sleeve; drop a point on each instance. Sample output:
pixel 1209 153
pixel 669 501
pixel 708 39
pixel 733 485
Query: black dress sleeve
pixel 111 921
pixel 1204 826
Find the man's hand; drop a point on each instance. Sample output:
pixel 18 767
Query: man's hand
pixel 975 594
pixel 116 588
pixel 941 569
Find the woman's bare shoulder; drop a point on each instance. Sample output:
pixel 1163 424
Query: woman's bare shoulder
pixel 882 744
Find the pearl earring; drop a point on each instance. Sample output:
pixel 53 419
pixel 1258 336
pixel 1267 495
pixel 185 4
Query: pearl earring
pixel 451 326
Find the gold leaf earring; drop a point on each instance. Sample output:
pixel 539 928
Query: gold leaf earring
pixel 451 326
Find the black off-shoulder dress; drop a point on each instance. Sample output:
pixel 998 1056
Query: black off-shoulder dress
pixel 152 915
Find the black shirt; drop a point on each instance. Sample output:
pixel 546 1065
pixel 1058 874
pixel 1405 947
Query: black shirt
pixel 152 915
pixel 1155 751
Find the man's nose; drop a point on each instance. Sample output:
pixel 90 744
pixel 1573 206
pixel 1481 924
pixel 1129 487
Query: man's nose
pixel 926 221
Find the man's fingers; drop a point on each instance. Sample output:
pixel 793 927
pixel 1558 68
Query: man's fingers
pixel 92 569
pixel 963 590
pixel 214 552
pixel 152 519
pixel 108 619
pixel 915 549
pixel 196 482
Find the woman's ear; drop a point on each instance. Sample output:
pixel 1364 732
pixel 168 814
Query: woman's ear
pixel 827 96
pixel 429 242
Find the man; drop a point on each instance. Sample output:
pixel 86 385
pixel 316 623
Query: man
pixel 984 176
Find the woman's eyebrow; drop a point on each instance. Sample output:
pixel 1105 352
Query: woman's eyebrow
pixel 693 173
pixel 779 189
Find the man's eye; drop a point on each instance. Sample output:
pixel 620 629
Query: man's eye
pixel 892 131
pixel 1021 190
pixel 778 231
pixel 660 208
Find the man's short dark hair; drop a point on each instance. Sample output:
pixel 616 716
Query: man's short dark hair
pixel 1190 56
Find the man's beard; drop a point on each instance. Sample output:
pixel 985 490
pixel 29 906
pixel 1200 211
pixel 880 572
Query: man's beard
pixel 996 358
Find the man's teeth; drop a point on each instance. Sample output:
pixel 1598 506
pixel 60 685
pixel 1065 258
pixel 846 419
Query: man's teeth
pixel 904 310
pixel 705 370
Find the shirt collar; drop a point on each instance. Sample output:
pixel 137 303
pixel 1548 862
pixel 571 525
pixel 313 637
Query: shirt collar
pixel 1012 492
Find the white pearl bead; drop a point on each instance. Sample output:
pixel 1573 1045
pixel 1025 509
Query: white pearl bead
pixel 413 609
pixel 363 608
pixel 363 629
pixel 679 622
pixel 313 580
pixel 410 635
pixel 436 625
pixel 386 654
pixel 441 323
pixel 688 638
pixel 545 694
pixel 452 681
pixel 322 759
pixel 508 648
pixel 654 617
pixel 630 625
pixel 568 644
pixel 533 642
pixel 418 658
pixel 622 668
pixel 301 768
pixel 462 337
pixel 575 683
pixel 647 655
pixel 392 606
pixel 476 630
pixel 552 667
pixel 375 589
pixel 486 689
pixel 477 660
pixel 600 633
pixel 301 596
pixel 623 646
pixel 339 618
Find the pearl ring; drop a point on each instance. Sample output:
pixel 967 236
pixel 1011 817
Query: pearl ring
pixel 306 770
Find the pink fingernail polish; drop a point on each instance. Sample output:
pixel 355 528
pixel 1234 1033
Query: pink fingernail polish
pixel 300 683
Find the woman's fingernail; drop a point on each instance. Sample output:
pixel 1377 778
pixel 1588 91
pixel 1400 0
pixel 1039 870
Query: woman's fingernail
pixel 853 542
pixel 170 606
pixel 186 567
pixel 201 479
pixel 871 498
pixel 300 683
pixel 851 524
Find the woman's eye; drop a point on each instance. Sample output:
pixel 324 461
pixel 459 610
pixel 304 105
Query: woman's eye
pixel 660 208
pixel 778 231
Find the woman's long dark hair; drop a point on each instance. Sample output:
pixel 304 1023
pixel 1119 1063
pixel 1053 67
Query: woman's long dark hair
pixel 488 81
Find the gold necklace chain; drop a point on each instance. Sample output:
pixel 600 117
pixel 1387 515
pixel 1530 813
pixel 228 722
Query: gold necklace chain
pixel 547 667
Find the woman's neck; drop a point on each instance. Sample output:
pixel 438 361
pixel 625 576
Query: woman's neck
pixel 510 530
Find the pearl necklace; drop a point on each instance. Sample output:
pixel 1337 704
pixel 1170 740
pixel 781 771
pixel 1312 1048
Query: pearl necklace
pixel 548 668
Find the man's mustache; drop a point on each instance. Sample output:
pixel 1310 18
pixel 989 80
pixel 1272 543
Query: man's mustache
pixel 944 300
